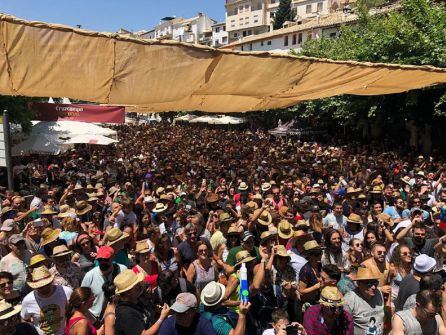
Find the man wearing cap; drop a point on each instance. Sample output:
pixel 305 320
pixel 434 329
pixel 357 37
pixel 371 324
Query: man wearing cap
pixel 328 317
pixel 101 275
pixel 410 284
pixel 16 261
pixel 247 243
pixel 186 320
pixel 8 228
pixel 10 322
pixel 366 304
pixel 131 316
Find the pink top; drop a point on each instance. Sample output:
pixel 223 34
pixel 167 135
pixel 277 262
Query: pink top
pixel 72 321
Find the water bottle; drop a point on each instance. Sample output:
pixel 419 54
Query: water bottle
pixel 244 286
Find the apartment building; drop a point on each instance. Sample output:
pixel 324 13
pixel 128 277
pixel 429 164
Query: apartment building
pixel 219 35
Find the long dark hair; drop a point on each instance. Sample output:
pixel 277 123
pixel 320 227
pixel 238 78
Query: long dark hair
pixel 77 299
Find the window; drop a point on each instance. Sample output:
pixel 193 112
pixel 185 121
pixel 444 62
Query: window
pixel 250 47
pixel 217 30
pixel 249 32
pixel 242 48
pixel 244 33
pixel 235 35
pixel 299 38
pixel 224 28
pixel 333 35
pixel 308 9
pixel 309 37
pixel 294 39
pixel 261 43
pixel 272 14
pixel 224 40
pixel 319 7
pixel 240 9
pixel 259 6
pixel 268 43
pixel 285 41
pixel 246 8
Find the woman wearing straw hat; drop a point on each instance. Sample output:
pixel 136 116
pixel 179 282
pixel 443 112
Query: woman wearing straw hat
pixel 10 322
pixel 145 264
pixel 309 276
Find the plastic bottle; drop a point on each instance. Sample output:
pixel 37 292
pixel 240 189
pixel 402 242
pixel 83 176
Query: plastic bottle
pixel 244 286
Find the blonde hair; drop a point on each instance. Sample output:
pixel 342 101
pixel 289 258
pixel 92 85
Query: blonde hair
pixel 70 224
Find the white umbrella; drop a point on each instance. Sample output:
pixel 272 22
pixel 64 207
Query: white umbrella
pixel 91 139
pixel 227 120
pixel 39 144
pixel 202 119
pixel 186 117
pixel 70 128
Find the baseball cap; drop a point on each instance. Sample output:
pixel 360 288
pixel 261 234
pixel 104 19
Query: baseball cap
pixel 423 263
pixel 246 235
pixel 184 302
pixel 38 223
pixel 105 252
pixel 15 238
pixel 414 210
pixel 8 225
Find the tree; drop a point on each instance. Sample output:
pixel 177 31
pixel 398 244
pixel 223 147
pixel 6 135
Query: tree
pixel 284 13
pixel 18 110
pixel 413 35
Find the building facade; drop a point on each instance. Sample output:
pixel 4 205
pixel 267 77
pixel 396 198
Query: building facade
pixel 219 35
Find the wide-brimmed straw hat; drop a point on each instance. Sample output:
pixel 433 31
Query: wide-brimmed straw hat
pixel 225 217
pixel 49 235
pixel 331 297
pixel 47 210
pixel 281 251
pixel 354 218
pixel 116 235
pixel 212 197
pixel 40 277
pixel 406 180
pixel 36 259
pixel 212 294
pixel 159 207
pixel 243 186
pixel 365 274
pixel 311 245
pixel 265 217
pixel 61 250
pixel 83 207
pixel 376 190
pixel 267 235
pixel 233 231
pixel 386 218
pixel 126 280
pixel 243 256
pixel 7 310
pixel 142 247
pixel 285 229
pixel 251 206
pixel 352 190
pixel 65 211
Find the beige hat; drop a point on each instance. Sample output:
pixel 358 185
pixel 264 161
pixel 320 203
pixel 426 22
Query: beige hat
pixel 61 250
pixel 225 217
pixel 48 211
pixel 212 197
pixel 65 211
pixel 142 247
pixel 116 235
pixel 49 235
pixel 265 217
pixel 82 207
pixel 7 310
pixel 251 206
pixel 266 187
pixel 233 231
pixel 36 259
pixel 285 229
pixel 354 218
pixel 212 294
pixel 243 186
pixel 281 251
pixel 126 280
pixel 331 297
pixel 386 218
pixel 311 245
pixel 159 207
pixel 243 256
pixel 40 277
pixel 365 274
pixel 267 235
pixel 376 190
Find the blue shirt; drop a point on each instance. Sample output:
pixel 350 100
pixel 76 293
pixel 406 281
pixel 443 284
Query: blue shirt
pixel 200 326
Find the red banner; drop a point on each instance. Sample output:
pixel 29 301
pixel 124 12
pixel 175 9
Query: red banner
pixel 78 112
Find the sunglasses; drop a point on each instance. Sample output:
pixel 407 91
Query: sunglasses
pixel 202 251
pixel 8 283
pixel 371 283
pixel 380 252
pixel 406 254
pixel 358 245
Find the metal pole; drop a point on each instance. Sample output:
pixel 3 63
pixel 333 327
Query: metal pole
pixel 8 149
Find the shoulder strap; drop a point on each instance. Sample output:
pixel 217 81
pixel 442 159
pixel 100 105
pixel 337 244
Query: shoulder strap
pixel 183 285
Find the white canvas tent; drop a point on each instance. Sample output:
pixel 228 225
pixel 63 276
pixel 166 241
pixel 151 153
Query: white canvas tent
pixel 225 119
pixel 185 118
pixel 70 129
pixel 202 119
pixel 91 139
pixel 41 144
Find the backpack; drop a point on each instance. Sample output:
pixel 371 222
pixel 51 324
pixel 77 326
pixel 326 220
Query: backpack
pixel 230 317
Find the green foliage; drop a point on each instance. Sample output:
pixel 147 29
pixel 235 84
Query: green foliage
pixel 284 13
pixel 415 35
pixel 18 110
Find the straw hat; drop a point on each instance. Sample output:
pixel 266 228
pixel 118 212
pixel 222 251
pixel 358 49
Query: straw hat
pixel 78 187
pixel 299 233
pixel 159 207
pixel 331 297
pixel 212 197
pixel 112 190
pixel 351 190
pixel 116 235
pixel 376 190
pixel 65 211
pixel 301 224
pixel 265 217
pixel 142 247
pixel 40 277
pixel 126 280
pixel 365 274
pixel 61 250
pixel 225 217
pixel 266 187
pixel 233 231
pixel 243 256
pixel 267 235
pixel 212 294
pixel 243 186
pixel 285 229
pixel 92 197
pixel 7 310
pixel 406 180
pixel 311 245
pixel 82 207
pixel 48 211
pixel 354 218
pixel 36 259
pixel 49 235
pixel 281 251
pixel 386 219
pixel 251 206
pixel 7 210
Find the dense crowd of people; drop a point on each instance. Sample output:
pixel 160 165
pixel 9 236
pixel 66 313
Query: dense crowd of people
pixel 149 236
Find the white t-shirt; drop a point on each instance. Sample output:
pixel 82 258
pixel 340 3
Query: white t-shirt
pixel 17 267
pixel 47 314
pixel 125 219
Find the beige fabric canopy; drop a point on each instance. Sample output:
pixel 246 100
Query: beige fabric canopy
pixel 40 59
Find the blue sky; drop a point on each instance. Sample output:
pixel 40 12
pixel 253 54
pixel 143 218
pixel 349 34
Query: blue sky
pixel 110 15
